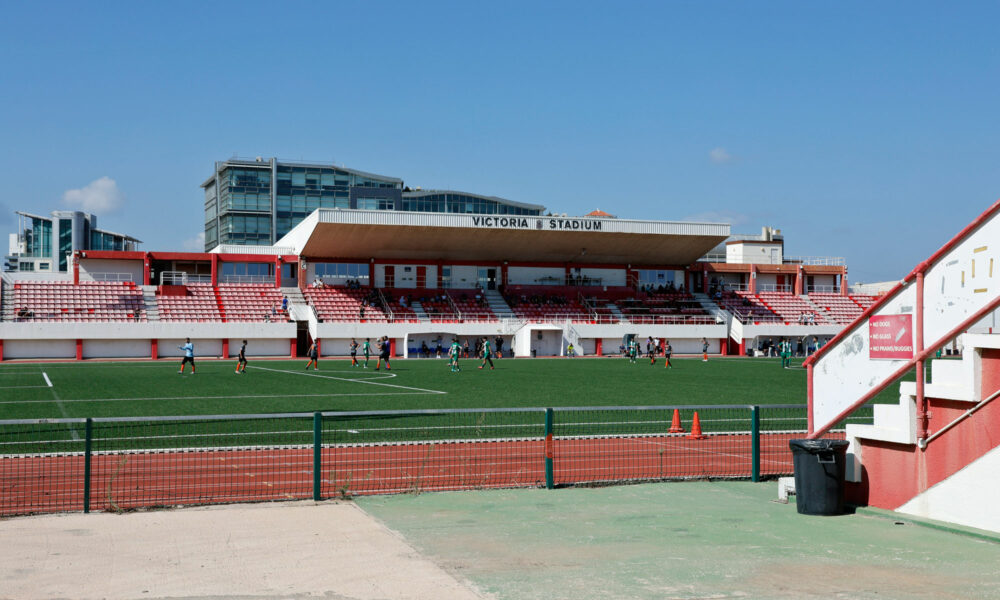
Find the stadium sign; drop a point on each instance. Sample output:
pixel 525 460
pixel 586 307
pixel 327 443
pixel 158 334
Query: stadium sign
pixel 523 223
pixel 890 337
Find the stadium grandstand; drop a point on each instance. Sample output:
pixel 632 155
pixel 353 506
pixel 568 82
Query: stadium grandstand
pixel 421 267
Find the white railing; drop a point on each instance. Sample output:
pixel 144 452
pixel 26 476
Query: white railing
pixel 822 289
pixel 247 279
pixel 718 257
pixel 112 276
pixel 773 287
pixel 830 261
pixel 182 278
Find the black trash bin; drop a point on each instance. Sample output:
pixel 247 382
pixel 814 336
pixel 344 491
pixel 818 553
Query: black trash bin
pixel 819 476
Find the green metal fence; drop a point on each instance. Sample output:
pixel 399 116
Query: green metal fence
pixel 50 465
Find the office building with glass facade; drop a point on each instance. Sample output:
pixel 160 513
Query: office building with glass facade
pixel 43 244
pixel 255 202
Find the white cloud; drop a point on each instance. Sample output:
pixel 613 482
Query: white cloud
pixel 720 156
pixel 195 244
pixel 723 216
pixel 100 196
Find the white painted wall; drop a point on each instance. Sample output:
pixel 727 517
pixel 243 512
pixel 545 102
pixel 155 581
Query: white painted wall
pixel 969 497
pixel 202 348
pixel 547 342
pixel 88 267
pixel 758 253
pixel 261 347
pixel 465 277
pixel 116 348
pixel 39 348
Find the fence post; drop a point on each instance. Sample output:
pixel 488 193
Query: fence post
pixel 317 455
pixel 88 440
pixel 549 477
pixel 755 437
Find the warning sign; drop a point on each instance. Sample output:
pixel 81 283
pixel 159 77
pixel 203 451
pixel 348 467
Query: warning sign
pixel 890 336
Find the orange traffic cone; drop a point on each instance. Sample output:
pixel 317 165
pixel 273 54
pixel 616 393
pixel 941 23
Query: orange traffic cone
pixel 696 433
pixel 675 427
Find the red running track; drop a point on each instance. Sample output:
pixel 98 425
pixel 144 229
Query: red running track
pixel 32 484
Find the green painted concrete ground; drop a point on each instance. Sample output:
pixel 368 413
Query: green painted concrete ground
pixel 682 540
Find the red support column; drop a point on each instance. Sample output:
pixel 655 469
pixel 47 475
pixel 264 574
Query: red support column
pixel 303 271
pixel 392 347
pixel 723 346
pixel 704 280
pixel 293 348
pixel 225 348
pixel 743 347
pixel 439 265
pixel 145 269
pixel 843 282
pixel 599 347
pixel 154 351
pixel 1 349
pixel 79 349
pixel 319 349
pixel 566 275
pixel 76 268
pixel 752 287
pixel 215 270
pixel 923 418
pixel 503 274
pixel 798 281
pixel 277 271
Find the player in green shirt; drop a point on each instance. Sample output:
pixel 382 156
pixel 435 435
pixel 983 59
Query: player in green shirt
pixel 633 350
pixel 366 348
pixel 786 354
pixel 453 353
pixel 487 354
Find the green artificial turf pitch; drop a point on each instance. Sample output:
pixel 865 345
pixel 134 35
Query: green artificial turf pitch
pixel 116 389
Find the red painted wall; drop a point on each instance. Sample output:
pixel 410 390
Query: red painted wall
pixel 894 473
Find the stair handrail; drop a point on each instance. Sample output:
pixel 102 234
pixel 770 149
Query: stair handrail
pixel 922 444
pixel 385 305
pixel 454 307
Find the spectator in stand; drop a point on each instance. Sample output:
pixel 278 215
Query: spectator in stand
pixel 284 304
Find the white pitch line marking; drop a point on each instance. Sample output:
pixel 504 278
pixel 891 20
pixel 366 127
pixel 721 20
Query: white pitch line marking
pixel 22 387
pixel 282 396
pixel 47 380
pixel 62 409
pixel 308 374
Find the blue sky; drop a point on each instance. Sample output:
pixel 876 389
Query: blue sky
pixel 864 130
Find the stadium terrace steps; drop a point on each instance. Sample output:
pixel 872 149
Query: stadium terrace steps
pixel 790 307
pixel 497 304
pixel 345 305
pixel 200 304
pixel 838 308
pixel 474 305
pixel 746 306
pixel 88 301
pixel 250 302
pixel 152 307
pixel 418 309
pixel 6 297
